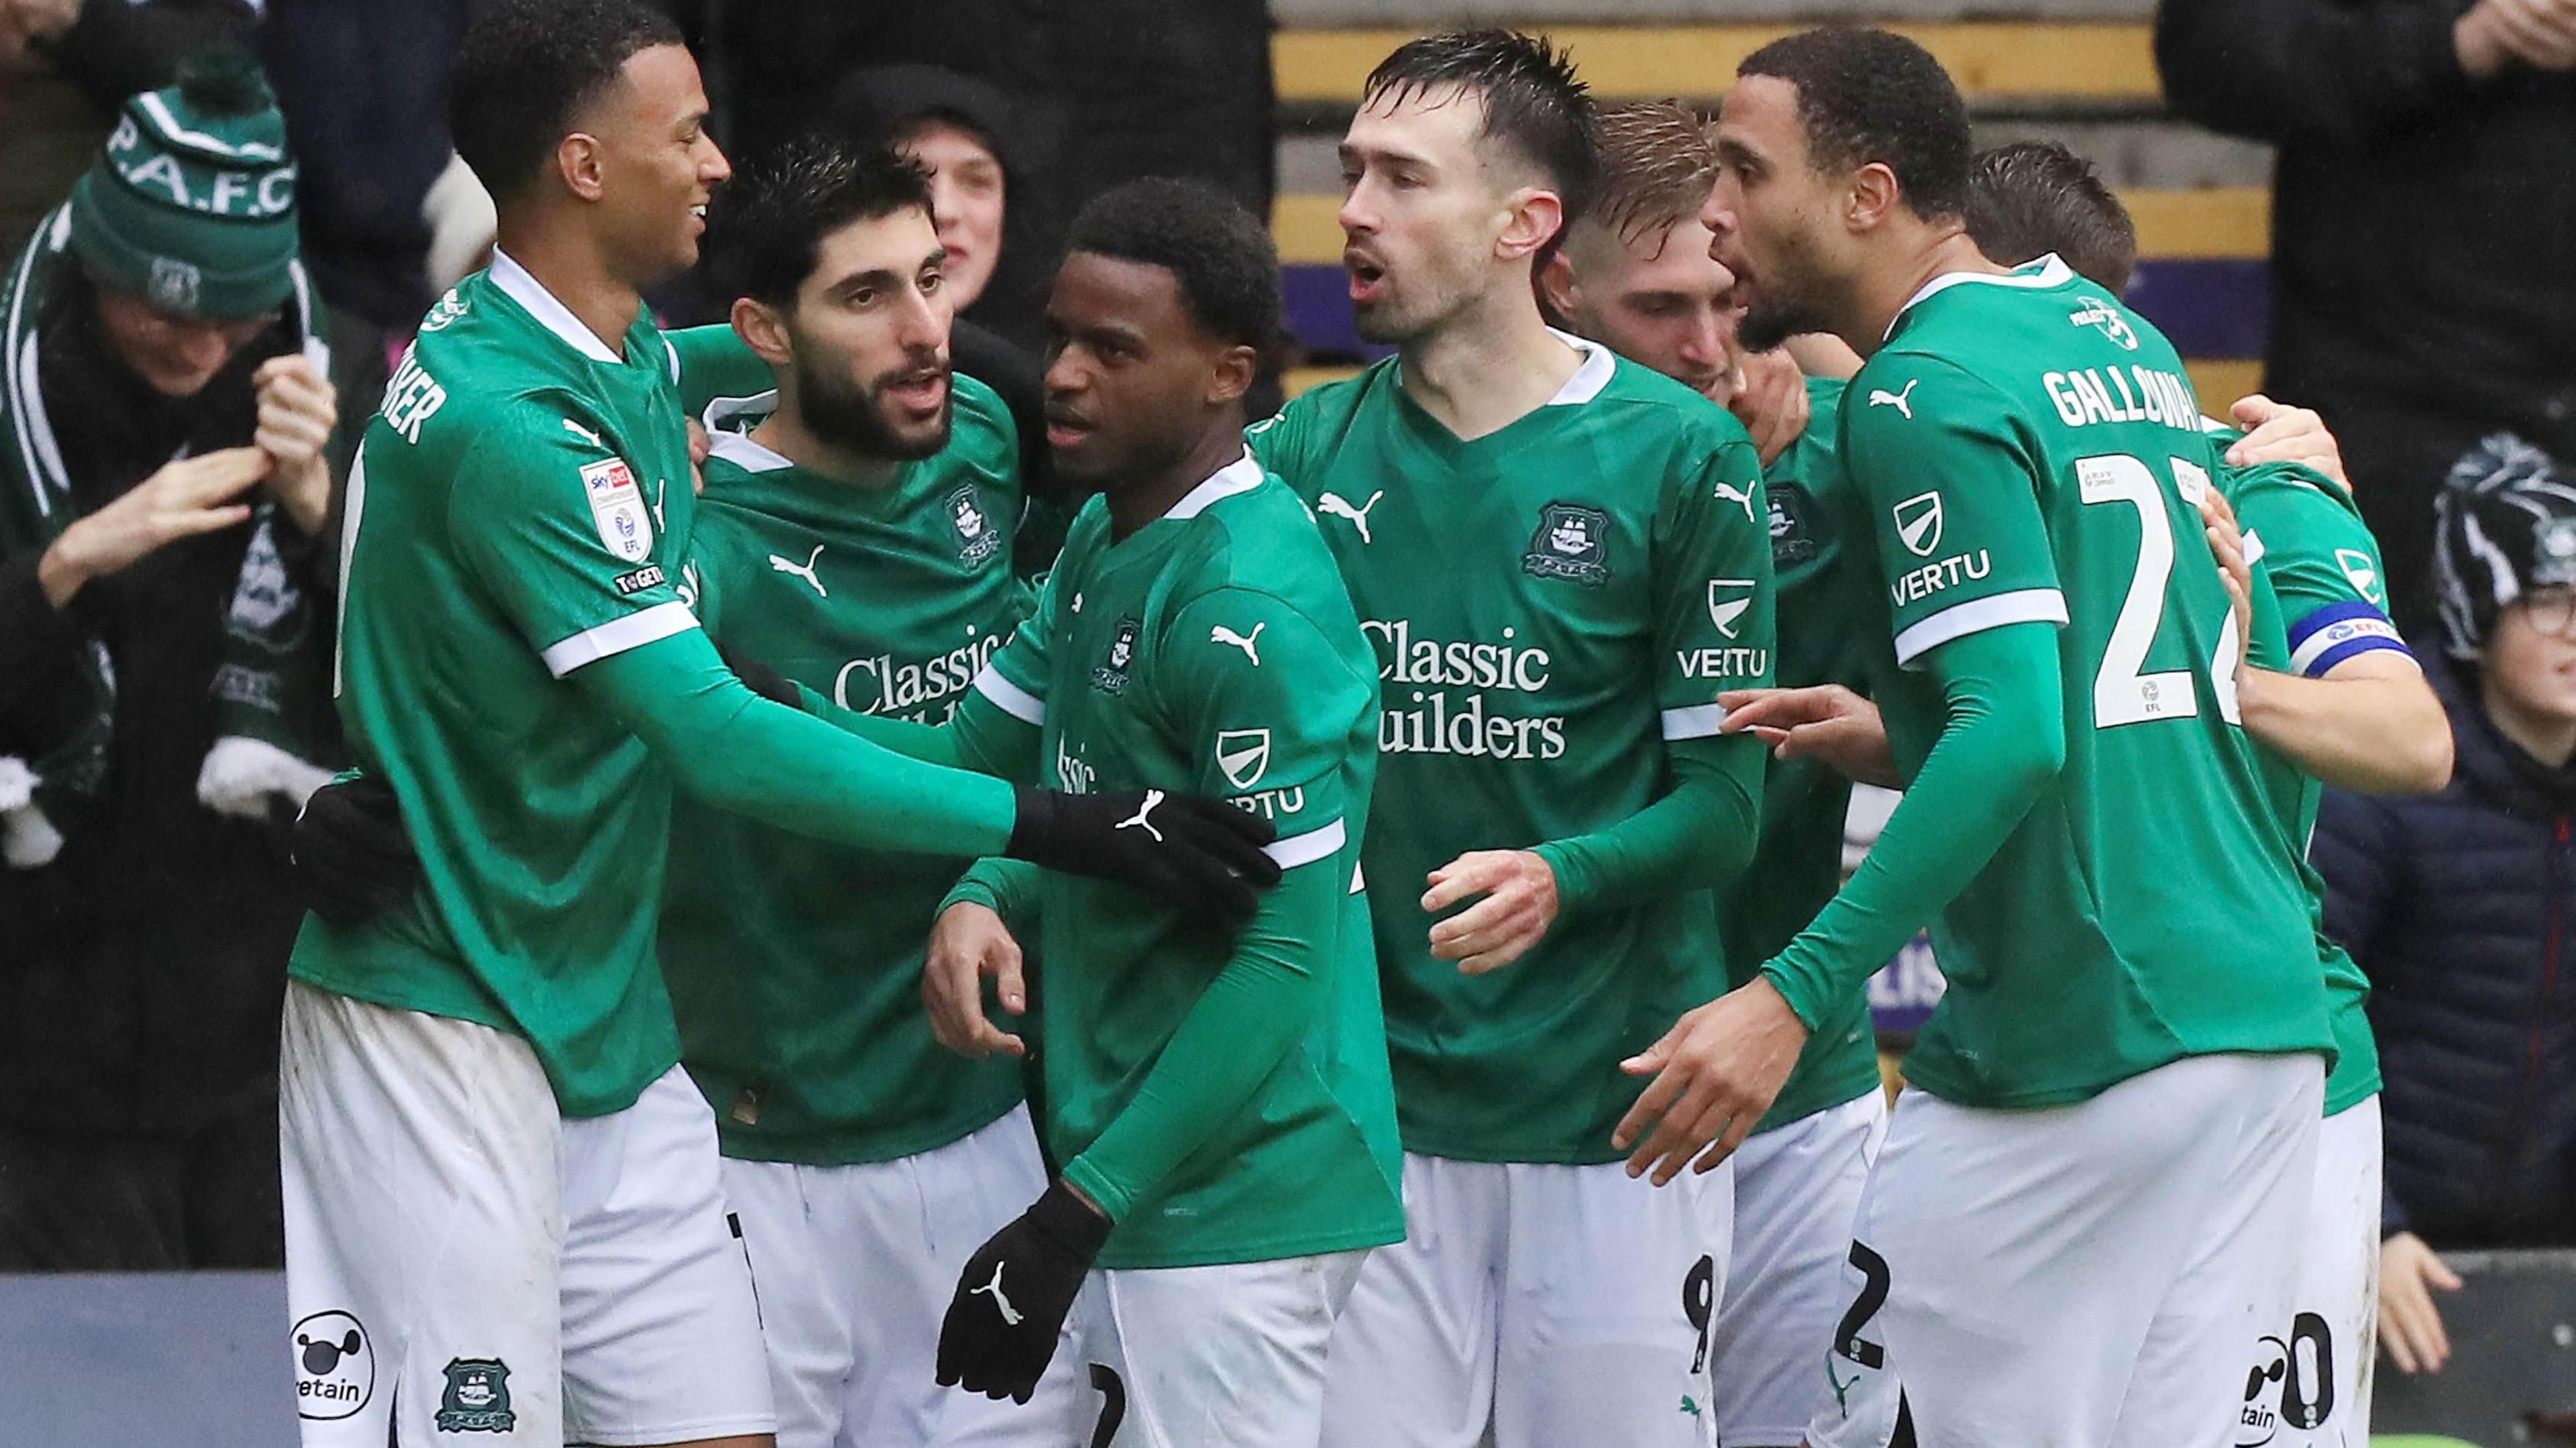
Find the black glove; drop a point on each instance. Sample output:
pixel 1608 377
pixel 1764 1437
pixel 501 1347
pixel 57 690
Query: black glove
pixel 352 852
pixel 1202 856
pixel 761 679
pixel 1011 1300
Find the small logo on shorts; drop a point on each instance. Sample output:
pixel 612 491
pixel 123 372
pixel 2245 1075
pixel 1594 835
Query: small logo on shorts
pixel 335 1366
pixel 477 1399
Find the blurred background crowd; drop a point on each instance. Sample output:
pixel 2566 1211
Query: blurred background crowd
pixel 2365 207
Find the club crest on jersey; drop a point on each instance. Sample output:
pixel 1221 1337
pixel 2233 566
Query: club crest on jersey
pixel 1572 542
pixel 477 1399
pixel 977 538
pixel 1111 676
pixel 1918 523
pixel 1728 598
pixel 2364 574
pixel 1244 755
pixel 2106 321
pixel 617 506
pixel 1792 540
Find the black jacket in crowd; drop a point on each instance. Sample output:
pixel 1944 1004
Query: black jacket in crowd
pixel 2459 906
pixel 2423 237
pixel 142 971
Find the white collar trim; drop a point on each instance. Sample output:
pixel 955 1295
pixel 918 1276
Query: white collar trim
pixel 521 286
pixel 739 449
pixel 1590 376
pixel 2052 273
pixel 1240 476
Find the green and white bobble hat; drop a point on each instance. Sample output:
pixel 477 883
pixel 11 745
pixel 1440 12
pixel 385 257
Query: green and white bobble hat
pixel 192 204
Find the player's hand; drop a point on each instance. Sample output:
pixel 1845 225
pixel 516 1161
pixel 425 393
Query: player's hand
pixel 1001 1327
pixel 1716 1071
pixel 352 852
pixel 968 945
pixel 1768 394
pixel 1824 721
pixel 2278 434
pixel 2227 545
pixel 760 678
pixel 185 498
pixel 1518 908
pixel 298 408
pixel 1201 856
pixel 2410 1326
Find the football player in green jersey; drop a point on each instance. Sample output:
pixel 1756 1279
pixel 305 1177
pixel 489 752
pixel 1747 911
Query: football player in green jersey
pixel 2110 1137
pixel 1221 1105
pixel 496 1180
pixel 1637 274
pixel 854 538
pixel 1561 558
pixel 2332 693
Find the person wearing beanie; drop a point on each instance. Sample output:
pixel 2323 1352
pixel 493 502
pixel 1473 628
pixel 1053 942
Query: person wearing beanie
pixel 2453 903
pixel 164 416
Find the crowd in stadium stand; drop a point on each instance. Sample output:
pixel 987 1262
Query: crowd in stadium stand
pixel 182 382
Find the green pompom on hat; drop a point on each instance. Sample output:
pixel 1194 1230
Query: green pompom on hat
pixel 192 204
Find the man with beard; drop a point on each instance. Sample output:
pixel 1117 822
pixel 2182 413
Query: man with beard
pixel 1562 559
pixel 496 1179
pixel 2083 1208
pixel 857 541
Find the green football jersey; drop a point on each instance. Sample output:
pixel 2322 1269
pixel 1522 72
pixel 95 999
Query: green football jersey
pixel 1827 585
pixel 795 964
pixel 518 509
pixel 1551 606
pixel 2029 450
pixel 1212 652
pixel 2326 604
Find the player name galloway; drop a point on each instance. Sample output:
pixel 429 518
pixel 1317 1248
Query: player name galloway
pixel 2122 394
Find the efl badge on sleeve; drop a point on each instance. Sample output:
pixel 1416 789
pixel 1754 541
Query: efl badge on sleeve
pixel 617 506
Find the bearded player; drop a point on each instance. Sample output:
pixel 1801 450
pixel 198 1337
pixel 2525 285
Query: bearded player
pixel 496 1177
pixel 2077 1216
pixel 1561 558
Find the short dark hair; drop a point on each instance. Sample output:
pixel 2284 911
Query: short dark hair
pixel 524 68
pixel 1867 95
pixel 1533 101
pixel 766 227
pixel 2029 198
pixel 1219 254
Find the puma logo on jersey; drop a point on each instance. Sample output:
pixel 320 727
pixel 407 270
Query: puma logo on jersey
pixel 804 570
pixel 1742 498
pixel 1246 642
pixel 1001 1303
pixel 585 434
pixel 1142 821
pixel 1340 507
pixel 1880 396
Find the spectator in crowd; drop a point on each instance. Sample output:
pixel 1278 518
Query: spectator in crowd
pixel 2424 226
pixel 65 67
pixel 2453 903
pixel 164 694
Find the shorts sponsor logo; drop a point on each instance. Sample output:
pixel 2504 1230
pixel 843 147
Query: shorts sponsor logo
pixel 2291 1384
pixel 1918 524
pixel 335 1366
pixel 648 576
pixel 1244 755
pixel 1572 542
pixel 617 506
pixel 477 1398
pixel 977 538
pixel 1111 676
